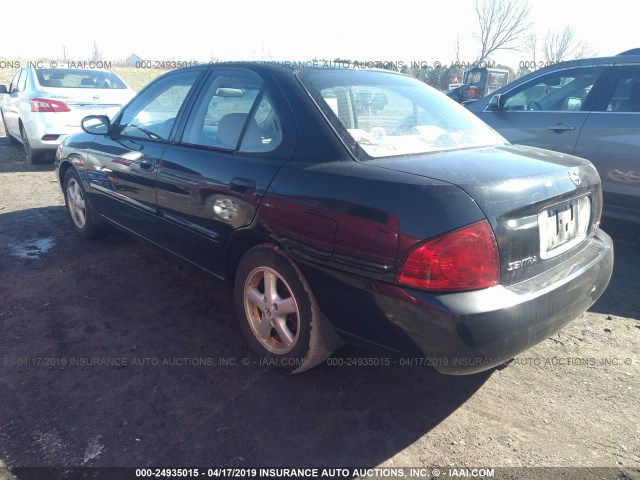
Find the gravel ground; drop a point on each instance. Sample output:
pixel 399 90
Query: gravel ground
pixel 115 354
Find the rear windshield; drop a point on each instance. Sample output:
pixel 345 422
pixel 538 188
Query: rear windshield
pixel 72 78
pixel 382 114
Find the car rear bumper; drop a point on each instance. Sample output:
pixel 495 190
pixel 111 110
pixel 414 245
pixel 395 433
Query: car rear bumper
pixel 37 129
pixel 40 124
pixel 468 332
pixel 474 331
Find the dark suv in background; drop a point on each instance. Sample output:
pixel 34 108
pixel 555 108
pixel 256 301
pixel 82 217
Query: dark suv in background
pixel 589 108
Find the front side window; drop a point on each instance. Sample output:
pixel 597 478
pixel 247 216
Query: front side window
pixel 152 114
pixel 234 113
pixel 386 114
pixel 555 92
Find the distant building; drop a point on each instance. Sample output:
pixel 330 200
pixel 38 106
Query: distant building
pixel 133 59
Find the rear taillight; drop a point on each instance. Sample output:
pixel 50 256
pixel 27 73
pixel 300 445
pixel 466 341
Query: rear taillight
pixel 48 105
pixel 471 92
pixel 464 259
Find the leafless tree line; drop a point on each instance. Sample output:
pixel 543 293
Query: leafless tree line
pixel 506 25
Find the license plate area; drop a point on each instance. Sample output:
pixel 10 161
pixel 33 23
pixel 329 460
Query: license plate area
pixel 563 226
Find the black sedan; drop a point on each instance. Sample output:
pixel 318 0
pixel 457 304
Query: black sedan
pixel 347 205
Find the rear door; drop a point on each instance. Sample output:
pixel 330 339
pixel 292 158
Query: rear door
pixel 238 134
pixel 124 164
pixel 548 111
pixel 611 138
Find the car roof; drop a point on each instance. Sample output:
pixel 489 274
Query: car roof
pixel 298 65
pixel 633 51
pixel 616 60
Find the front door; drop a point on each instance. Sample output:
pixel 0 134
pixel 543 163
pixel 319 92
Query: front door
pixel 548 111
pixel 124 163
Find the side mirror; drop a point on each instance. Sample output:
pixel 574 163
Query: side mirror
pixel 3 89
pixel 574 103
pixel 496 103
pixel 96 124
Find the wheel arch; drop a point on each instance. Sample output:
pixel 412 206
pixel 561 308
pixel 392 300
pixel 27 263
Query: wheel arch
pixel 239 243
pixel 244 240
pixel 64 167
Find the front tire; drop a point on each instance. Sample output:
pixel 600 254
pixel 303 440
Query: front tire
pixel 278 313
pixel 79 207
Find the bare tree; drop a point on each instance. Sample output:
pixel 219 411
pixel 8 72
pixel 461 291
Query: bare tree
pixel 503 25
pixel 531 47
pixel 456 49
pixel 563 45
pixel 96 54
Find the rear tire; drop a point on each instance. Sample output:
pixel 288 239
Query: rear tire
pixel 278 313
pixel 79 208
pixel 12 141
pixel 33 156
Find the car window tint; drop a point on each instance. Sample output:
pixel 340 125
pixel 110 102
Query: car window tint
pixel 77 78
pixel 152 114
pixel 222 111
pixel 559 91
pixel 626 93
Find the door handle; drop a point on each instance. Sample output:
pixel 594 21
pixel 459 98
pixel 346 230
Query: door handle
pixel 242 185
pixel 561 127
pixel 147 164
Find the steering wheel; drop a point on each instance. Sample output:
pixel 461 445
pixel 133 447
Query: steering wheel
pixel 533 105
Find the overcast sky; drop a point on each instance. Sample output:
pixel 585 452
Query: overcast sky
pixel 252 29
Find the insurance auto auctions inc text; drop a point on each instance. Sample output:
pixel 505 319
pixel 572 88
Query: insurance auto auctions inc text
pixel 420 473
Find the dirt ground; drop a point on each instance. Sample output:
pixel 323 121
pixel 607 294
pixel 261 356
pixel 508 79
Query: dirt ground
pixel 114 354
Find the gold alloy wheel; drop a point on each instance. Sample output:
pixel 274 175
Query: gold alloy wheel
pixel 272 310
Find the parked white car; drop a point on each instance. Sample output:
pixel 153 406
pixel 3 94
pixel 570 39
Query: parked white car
pixel 43 106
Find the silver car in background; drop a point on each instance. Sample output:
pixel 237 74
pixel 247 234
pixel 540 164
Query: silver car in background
pixel 589 108
pixel 42 106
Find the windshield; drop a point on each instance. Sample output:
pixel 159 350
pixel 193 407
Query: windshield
pixel 383 114
pixel 75 78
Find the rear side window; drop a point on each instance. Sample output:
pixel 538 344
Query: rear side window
pixel 555 92
pixel 76 78
pixel 626 93
pixel 234 113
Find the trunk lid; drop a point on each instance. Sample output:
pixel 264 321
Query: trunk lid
pixel 88 101
pixel 542 205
